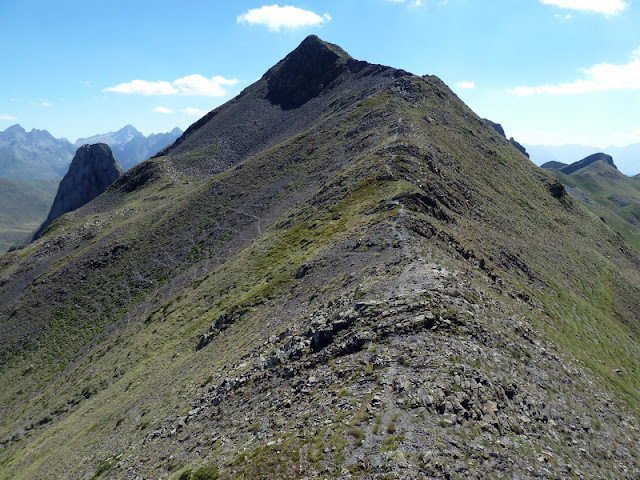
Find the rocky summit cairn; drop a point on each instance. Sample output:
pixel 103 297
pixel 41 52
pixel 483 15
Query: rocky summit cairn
pixel 92 170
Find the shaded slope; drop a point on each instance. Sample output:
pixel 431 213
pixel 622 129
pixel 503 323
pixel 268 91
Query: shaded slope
pixel 392 290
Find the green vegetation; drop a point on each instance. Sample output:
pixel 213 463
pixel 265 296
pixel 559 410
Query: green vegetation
pixel 23 207
pixel 610 195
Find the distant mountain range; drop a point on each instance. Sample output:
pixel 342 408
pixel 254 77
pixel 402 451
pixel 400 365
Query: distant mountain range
pixel 35 154
pixel 627 158
pixel 129 146
pixel 32 164
pixel 38 154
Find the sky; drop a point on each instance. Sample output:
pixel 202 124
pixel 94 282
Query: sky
pixel 550 71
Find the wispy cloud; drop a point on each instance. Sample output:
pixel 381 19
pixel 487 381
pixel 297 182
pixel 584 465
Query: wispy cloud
pixel 6 116
pixel 46 104
pixel 466 84
pixel 412 3
pixel 206 87
pixel 191 85
pixel 601 77
pixel 605 7
pixel 193 112
pixel 275 17
pixel 160 109
pixel 189 111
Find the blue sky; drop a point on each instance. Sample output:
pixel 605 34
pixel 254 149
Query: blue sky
pixel 550 71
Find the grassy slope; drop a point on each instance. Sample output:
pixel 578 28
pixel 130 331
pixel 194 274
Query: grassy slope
pixel 612 196
pixel 236 241
pixel 23 207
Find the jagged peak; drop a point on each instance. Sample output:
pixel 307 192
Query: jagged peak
pixel 313 43
pixel 305 72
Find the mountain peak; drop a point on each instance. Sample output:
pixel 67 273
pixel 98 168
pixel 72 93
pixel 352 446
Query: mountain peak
pixel 17 128
pixel 92 171
pixel 129 129
pixel 585 162
pixel 313 66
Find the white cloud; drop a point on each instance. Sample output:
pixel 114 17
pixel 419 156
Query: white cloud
pixel 636 52
pixel 160 109
pixel 466 84
pixel 193 112
pixel 199 85
pixel 606 7
pixel 601 77
pixel 6 116
pixel 190 85
pixel 143 87
pixel 46 104
pixel 275 17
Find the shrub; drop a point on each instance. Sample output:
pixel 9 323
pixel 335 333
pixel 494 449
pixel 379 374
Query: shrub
pixel 208 472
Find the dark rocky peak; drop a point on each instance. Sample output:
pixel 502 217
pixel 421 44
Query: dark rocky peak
pixel 312 67
pixel 92 171
pixel 305 72
pixel 585 162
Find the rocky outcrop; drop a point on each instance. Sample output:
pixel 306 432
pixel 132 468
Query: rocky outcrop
pixel 498 128
pixel 522 150
pixel 585 162
pixel 92 171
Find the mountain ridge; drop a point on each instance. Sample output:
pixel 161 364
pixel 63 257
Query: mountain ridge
pixel 607 192
pixel 378 284
pixel 38 154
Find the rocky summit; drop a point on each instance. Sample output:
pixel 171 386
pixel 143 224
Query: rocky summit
pixel 343 272
pixel 92 170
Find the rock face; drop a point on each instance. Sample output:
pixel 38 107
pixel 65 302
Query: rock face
pixel 585 162
pixel 92 171
pixel 306 71
pixel 496 126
